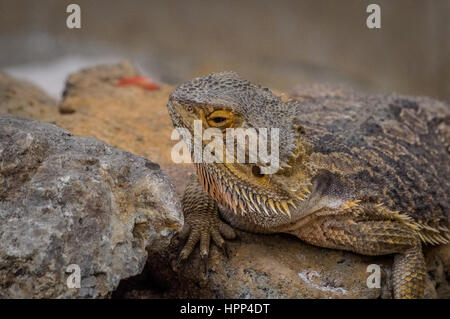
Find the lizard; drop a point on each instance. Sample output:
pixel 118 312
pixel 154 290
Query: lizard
pixel 366 174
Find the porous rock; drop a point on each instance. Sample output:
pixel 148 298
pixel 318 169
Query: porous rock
pixel 68 200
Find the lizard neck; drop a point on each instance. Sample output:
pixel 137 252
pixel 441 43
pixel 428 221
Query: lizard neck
pixel 265 201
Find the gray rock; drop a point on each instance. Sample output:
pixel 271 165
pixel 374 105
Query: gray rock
pixel 74 200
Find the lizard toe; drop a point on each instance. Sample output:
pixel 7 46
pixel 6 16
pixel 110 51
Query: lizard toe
pixel 194 237
pixel 227 231
pixel 219 241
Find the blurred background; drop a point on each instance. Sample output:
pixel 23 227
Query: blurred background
pixel 278 43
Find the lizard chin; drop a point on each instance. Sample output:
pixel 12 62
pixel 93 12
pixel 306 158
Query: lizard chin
pixel 253 197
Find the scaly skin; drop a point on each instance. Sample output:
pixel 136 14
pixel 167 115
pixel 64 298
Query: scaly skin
pixel 363 174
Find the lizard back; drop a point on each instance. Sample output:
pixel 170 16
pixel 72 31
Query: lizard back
pixel 385 147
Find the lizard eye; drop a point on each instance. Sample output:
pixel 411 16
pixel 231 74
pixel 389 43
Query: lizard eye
pixel 220 118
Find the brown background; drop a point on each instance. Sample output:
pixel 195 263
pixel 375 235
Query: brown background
pixel 278 43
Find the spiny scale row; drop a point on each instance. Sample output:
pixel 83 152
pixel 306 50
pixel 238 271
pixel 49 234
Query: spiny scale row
pixel 242 200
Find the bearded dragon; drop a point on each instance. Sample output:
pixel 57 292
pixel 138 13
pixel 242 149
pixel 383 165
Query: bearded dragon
pixel 366 174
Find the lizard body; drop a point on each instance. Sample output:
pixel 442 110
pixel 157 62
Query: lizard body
pixel 357 174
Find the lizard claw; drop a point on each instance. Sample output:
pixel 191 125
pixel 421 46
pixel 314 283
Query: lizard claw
pixel 202 237
pixel 177 263
pixel 180 259
pixel 205 265
pixel 194 237
pixel 225 250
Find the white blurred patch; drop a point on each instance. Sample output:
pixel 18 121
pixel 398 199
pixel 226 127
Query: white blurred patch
pixel 51 76
pixel 312 278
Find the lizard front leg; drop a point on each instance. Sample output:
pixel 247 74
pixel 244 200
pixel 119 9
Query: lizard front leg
pixel 372 233
pixel 202 222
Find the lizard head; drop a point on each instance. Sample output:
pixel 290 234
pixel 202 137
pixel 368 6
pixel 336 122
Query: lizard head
pixel 226 100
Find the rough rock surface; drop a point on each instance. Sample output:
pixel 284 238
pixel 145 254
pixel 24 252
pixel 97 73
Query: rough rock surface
pixel 278 266
pixel 24 99
pixel 74 200
pixel 275 266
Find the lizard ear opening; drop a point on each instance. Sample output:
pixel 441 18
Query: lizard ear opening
pixel 220 119
pixel 256 171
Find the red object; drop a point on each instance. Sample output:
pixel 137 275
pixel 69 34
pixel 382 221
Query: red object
pixel 141 81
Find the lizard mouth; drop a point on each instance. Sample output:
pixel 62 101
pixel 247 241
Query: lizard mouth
pixel 247 198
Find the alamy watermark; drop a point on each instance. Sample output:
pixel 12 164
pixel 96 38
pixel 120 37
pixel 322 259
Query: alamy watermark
pixel 73 20
pixel 374 279
pixel 373 21
pixel 74 279
pixel 241 145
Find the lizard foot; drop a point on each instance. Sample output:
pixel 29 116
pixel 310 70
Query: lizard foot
pixel 214 229
pixel 202 223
